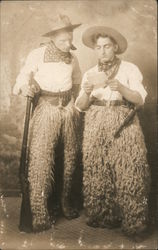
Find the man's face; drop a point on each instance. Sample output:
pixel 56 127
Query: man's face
pixel 105 49
pixel 63 40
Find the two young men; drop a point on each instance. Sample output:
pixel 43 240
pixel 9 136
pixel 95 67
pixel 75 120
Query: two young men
pixel 115 172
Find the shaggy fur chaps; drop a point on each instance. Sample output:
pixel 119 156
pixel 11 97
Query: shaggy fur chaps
pixel 116 175
pixel 48 124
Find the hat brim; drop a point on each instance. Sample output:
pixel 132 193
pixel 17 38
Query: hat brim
pixel 87 37
pixel 69 27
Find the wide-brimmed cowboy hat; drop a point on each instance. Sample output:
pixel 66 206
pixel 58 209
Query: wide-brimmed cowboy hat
pixel 61 22
pixel 89 34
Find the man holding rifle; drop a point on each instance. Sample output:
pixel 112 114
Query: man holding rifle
pixel 54 73
pixel 116 174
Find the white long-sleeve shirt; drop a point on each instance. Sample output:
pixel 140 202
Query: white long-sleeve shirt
pixel 128 74
pixel 51 76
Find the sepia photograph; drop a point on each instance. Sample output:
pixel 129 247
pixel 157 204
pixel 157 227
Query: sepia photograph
pixel 78 125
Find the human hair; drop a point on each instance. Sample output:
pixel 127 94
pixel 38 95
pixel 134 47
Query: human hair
pixel 103 35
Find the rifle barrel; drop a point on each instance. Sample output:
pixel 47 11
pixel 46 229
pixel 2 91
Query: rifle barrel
pixel 25 136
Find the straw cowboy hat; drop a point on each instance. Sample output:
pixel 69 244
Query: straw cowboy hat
pixel 61 22
pixel 89 33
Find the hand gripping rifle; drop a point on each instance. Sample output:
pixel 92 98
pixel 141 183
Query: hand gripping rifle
pixel 25 214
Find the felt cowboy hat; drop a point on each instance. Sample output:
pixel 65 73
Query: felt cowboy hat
pixel 89 34
pixel 61 22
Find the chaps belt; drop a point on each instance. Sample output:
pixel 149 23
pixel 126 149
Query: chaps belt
pixel 112 103
pixel 61 98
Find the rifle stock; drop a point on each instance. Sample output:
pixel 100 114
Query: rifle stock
pixel 25 214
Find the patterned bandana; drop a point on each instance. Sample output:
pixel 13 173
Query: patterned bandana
pixel 110 68
pixel 53 54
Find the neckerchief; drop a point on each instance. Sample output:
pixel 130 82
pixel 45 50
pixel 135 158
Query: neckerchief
pixel 53 54
pixel 109 68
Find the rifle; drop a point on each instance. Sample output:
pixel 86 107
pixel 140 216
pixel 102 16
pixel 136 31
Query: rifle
pixel 25 213
pixel 126 121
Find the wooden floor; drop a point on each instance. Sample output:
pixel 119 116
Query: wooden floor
pixel 66 234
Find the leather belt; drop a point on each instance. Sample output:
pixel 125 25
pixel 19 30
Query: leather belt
pixel 61 98
pixel 111 103
pixel 56 94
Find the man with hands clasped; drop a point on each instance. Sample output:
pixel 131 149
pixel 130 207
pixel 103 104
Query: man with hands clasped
pixel 116 176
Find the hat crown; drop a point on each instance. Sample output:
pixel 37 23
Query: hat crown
pixel 87 37
pixel 61 21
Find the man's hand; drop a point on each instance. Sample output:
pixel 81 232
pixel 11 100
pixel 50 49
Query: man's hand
pixel 27 90
pixel 88 87
pixel 114 85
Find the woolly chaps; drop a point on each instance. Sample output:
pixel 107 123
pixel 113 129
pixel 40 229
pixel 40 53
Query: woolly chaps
pixel 116 176
pixel 48 123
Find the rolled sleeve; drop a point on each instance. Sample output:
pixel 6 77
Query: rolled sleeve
pixel 84 79
pixel 135 82
pixel 26 72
